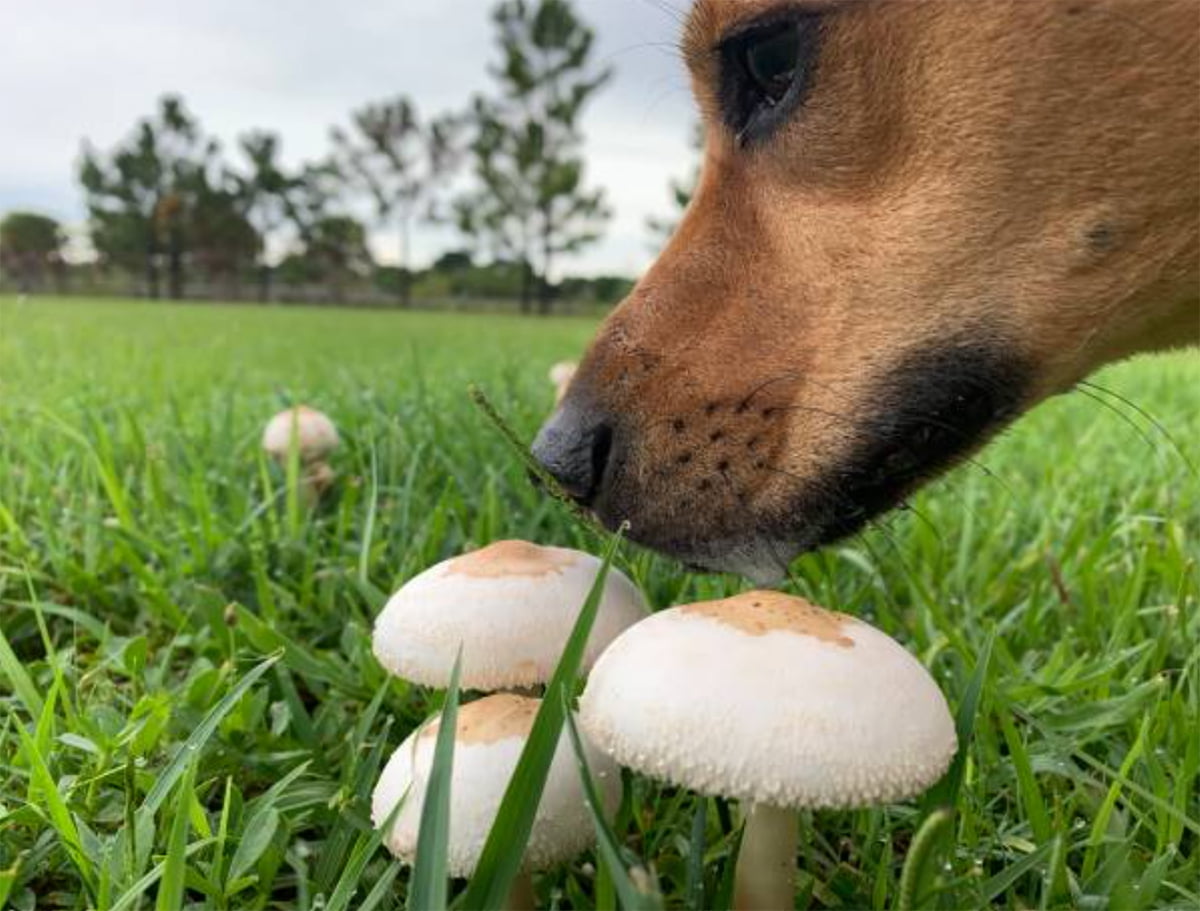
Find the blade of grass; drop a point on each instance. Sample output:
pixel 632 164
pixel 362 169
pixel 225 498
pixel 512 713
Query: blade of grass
pixel 693 891
pixel 170 890
pixel 724 897
pixel 20 681
pixel 945 792
pixel 502 852
pixel 263 636
pixel 994 887
pixel 192 746
pixel 916 863
pixel 632 896
pixel 937 809
pixel 256 837
pixel 368 533
pixel 7 879
pixel 292 478
pixel 60 817
pixel 132 896
pixel 427 889
pixel 1100 823
pixel 382 887
pixel 1027 786
pixel 364 849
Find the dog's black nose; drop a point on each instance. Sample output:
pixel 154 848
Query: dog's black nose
pixel 575 446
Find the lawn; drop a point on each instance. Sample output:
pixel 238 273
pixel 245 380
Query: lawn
pixel 151 565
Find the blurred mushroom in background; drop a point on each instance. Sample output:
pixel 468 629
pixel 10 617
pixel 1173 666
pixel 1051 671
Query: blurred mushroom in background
pixel 314 436
pixel 561 375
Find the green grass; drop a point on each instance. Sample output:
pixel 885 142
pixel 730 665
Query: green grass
pixel 189 704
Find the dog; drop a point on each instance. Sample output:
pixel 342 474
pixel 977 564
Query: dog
pixel 915 220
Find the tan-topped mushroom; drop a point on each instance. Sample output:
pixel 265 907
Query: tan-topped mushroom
pixel 766 698
pixel 313 431
pixel 511 606
pixel 314 436
pixel 561 375
pixel 489 736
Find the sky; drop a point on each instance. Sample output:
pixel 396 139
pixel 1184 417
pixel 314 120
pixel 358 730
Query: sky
pixel 72 69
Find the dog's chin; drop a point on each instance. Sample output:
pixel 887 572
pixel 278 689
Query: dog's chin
pixel 764 561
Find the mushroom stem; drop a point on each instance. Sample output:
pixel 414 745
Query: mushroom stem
pixel 316 478
pixel 766 872
pixel 520 894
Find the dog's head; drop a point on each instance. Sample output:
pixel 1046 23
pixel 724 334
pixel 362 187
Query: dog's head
pixel 914 221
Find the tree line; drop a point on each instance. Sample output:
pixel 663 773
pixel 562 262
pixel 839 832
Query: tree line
pixel 169 206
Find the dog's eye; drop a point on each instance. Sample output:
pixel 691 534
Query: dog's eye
pixel 770 62
pixel 766 69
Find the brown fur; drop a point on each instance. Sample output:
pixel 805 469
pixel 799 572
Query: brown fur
pixel 1025 174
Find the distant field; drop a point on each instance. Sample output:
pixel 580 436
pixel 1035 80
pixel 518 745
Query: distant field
pixel 147 564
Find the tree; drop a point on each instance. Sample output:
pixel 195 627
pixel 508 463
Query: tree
pixel 333 245
pixel 262 192
pixel 399 160
pixel 220 239
pixel 137 197
pixel 530 204
pixel 30 248
pixel 337 246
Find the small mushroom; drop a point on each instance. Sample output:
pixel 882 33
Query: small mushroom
pixel 511 606
pixel 489 736
pixel 315 437
pixel 783 705
pixel 561 375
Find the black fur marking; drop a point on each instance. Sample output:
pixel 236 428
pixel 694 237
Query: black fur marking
pixel 933 409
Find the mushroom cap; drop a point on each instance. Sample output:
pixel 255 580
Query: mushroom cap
pixel 562 372
pixel 767 698
pixel 316 436
pixel 489 737
pixel 561 375
pixel 511 605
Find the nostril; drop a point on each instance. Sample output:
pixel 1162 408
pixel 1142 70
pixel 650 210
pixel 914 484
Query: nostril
pixel 575 450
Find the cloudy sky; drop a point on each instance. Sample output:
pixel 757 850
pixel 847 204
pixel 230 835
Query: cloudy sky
pixel 90 69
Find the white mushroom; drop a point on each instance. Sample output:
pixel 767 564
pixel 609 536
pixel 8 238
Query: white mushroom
pixel 561 375
pixel 314 433
pixel 510 605
pixel 315 437
pixel 771 700
pixel 489 736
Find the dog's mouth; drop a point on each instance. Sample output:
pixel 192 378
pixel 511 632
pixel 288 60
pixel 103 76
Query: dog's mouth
pixel 927 413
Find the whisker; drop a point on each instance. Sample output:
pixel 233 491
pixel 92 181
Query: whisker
pixel 969 460
pixel 1123 416
pixel 791 374
pixel 1153 421
pixel 675 14
pixel 907 506
pixel 670 48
